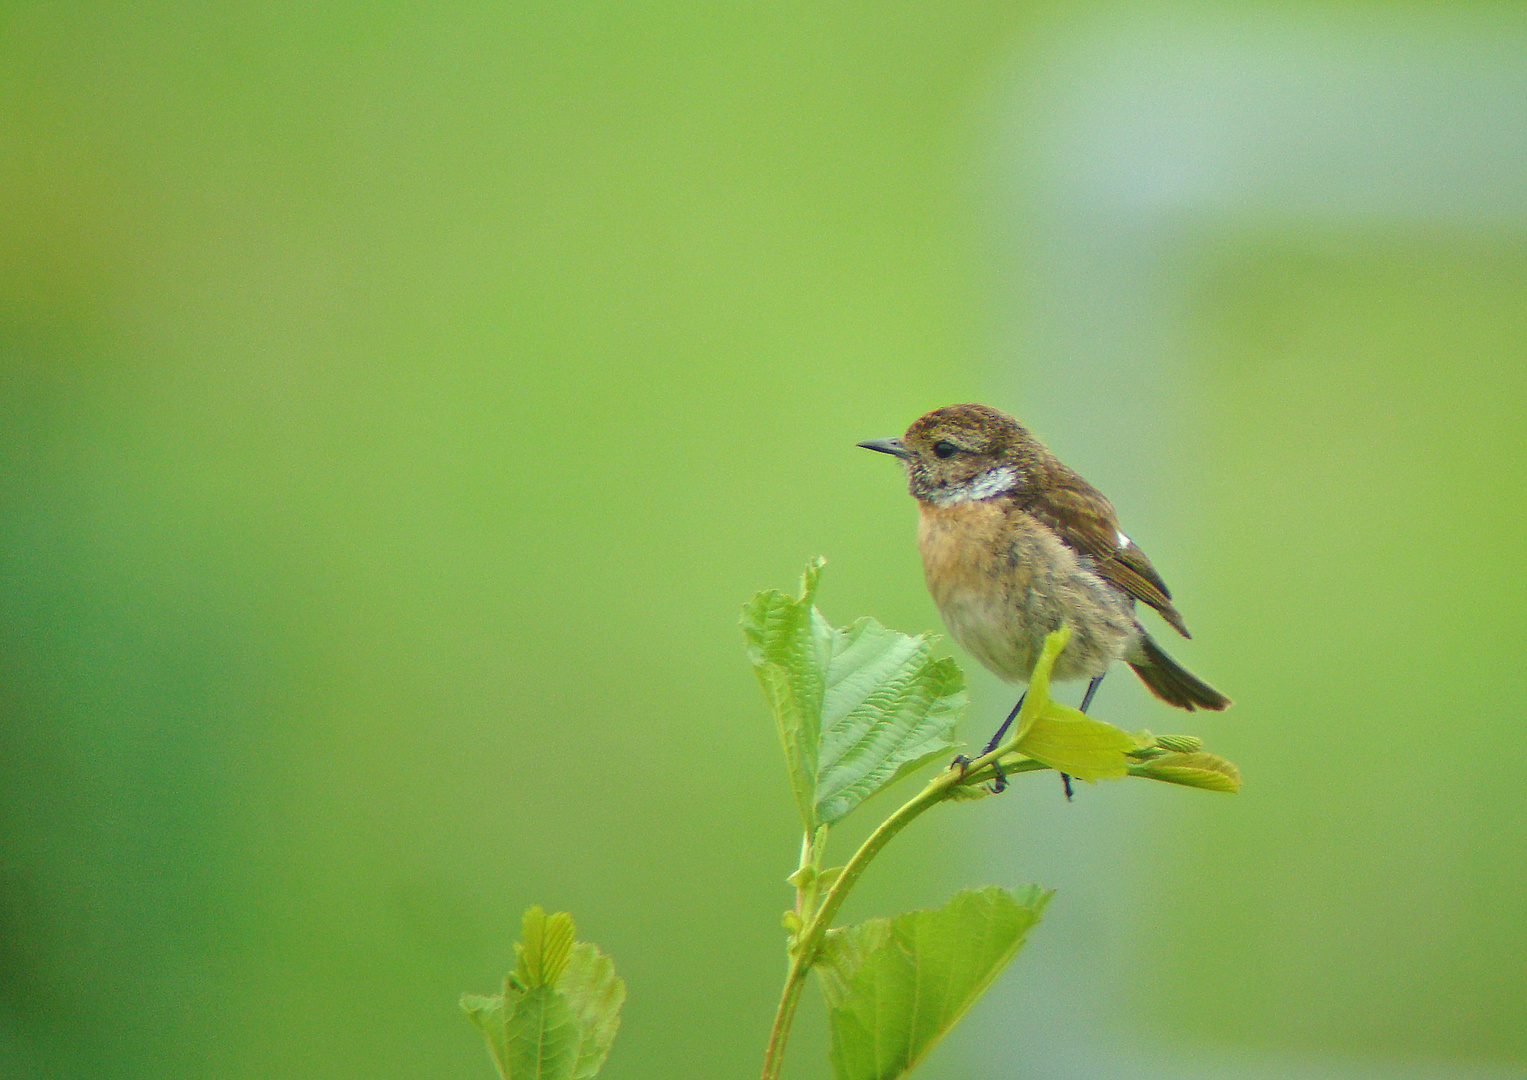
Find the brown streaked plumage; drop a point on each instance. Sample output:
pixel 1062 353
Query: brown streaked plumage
pixel 1014 544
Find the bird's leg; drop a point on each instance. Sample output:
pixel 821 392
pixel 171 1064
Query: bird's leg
pixel 1092 688
pixel 1001 731
pixel 1000 783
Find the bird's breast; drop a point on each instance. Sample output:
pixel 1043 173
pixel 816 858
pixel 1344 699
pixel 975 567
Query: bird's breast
pixel 1002 581
pixel 965 550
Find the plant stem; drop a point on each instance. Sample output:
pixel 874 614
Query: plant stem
pixel 809 943
pixel 795 981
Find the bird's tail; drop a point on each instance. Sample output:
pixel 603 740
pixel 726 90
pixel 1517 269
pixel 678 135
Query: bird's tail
pixel 1170 681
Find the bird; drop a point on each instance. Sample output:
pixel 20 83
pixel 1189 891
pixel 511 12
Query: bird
pixel 1014 545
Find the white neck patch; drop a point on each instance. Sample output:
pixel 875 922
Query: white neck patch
pixel 991 482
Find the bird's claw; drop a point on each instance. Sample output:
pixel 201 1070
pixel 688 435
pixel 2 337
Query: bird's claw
pixel 999 782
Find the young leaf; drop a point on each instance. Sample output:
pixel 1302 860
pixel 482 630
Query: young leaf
pixel 491 1014
pixel 543 946
pixel 1073 742
pixel 558 1012
pixel 790 646
pixel 856 709
pixel 1200 770
pixel 904 994
pixel 889 708
pixel 1064 738
pixel 541 1038
pixel 531 1035
pixel 1037 699
pixel 594 994
pixel 843 953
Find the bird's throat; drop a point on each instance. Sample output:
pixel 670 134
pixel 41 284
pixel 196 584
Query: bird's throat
pixel 981 486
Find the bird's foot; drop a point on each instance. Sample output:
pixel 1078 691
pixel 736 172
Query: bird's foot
pixel 999 782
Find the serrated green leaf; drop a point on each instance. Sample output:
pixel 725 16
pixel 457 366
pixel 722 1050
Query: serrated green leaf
pixel 477 1006
pixel 533 1036
pixel 1073 742
pixel 843 953
pixel 1036 700
pixel 545 941
pixel 856 709
pixel 541 1037
pixel 889 708
pixel 897 999
pixel 1199 769
pixel 560 1009
pixel 1062 737
pixel 790 646
pixel 595 994
pixel 490 1013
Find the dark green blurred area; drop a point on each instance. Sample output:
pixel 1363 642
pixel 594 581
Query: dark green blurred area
pixel 399 403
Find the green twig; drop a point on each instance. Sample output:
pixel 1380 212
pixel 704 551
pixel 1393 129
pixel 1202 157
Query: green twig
pixel 809 942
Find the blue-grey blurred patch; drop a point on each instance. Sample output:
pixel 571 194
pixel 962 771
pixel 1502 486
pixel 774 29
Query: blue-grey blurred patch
pixel 1260 278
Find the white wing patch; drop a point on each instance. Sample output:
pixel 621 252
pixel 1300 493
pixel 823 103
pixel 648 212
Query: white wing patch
pixel 1124 541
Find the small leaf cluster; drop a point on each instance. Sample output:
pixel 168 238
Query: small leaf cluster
pixel 1181 759
pixel 1059 737
pixel 858 709
pixel 559 1009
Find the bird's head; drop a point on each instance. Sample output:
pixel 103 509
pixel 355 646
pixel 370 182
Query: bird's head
pixel 963 453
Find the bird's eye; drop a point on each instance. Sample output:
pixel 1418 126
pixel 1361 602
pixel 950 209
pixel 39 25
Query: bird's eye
pixel 943 448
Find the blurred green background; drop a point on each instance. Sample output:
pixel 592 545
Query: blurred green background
pixel 398 402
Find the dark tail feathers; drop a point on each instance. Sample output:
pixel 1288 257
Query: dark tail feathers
pixel 1171 682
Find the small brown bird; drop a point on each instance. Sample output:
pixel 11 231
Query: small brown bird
pixel 1014 544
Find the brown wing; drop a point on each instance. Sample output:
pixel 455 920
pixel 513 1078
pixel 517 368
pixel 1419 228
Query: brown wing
pixel 1086 521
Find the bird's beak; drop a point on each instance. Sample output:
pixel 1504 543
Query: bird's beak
pixel 894 447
